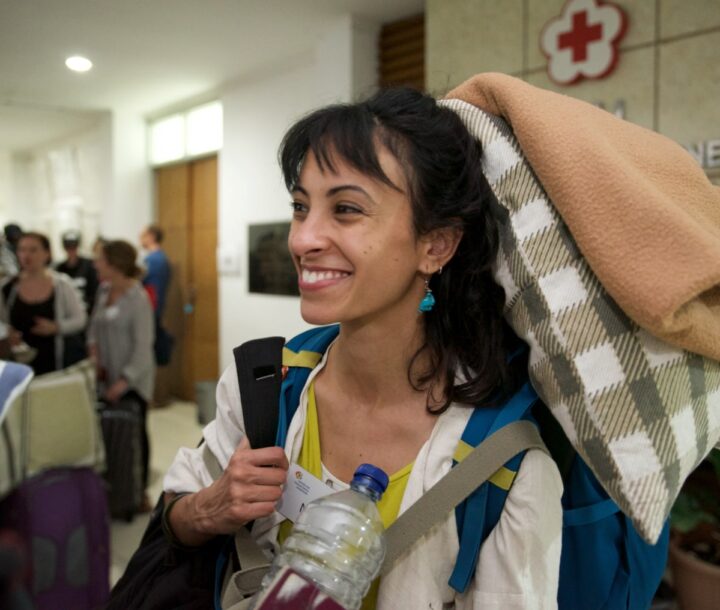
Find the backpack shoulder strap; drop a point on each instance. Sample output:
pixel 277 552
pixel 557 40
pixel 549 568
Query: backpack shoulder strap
pixel 268 376
pixel 259 371
pixel 300 356
pixel 478 466
pixel 271 372
pixel 480 512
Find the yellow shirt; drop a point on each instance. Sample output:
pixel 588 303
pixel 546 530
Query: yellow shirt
pixel 310 460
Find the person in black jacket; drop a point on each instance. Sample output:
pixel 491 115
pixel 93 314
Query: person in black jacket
pixel 80 269
pixel 84 277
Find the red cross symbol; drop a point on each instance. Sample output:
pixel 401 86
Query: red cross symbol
pixel 580 36
pixel 582 42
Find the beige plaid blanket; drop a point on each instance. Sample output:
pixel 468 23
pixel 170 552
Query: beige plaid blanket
pixel 641 412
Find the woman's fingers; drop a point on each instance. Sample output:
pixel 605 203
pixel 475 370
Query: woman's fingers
pixel 259 493
pixel 242 471
pixel 266 456
pixel 258 510
pixel 248 489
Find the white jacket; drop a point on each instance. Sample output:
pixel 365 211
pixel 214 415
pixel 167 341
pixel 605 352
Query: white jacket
pixel 519 563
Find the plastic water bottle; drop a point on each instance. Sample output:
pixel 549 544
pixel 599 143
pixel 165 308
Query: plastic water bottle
pixel 338 541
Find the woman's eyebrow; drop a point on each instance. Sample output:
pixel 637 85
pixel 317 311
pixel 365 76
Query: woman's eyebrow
pixel 349 187
pixel 337 189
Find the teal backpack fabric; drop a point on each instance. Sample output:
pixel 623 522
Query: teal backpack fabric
pixel 478 514
pixel 604 564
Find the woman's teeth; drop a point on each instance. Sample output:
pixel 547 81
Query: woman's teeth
pixel 310 277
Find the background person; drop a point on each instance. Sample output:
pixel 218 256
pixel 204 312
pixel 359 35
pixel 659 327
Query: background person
pixel 82 272
pixel 156 282
pixel 388 209
pixel 120 335
pixel 79 268
pixel 99 242
pixel 13 232
pixel 41 306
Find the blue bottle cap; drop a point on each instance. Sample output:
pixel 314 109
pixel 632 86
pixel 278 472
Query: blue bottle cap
pixel 372 476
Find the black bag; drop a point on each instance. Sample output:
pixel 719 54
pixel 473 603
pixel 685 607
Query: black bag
pixel 162 577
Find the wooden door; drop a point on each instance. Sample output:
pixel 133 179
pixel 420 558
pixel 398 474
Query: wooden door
pixel 186 196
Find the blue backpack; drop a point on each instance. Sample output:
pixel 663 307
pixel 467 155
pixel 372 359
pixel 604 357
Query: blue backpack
pixel 604 564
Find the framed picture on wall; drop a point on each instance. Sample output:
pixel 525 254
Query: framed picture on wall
pixel 271 268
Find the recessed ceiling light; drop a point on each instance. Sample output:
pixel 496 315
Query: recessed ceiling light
pixel 77 63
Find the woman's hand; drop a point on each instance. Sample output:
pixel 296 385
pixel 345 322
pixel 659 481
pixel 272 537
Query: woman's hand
pixel 15 337
pixel 116 390
pixel 248 489
pixel 100 371
pixel 44 327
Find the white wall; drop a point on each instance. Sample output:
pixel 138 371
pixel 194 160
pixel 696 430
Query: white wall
pixel 97 181
pixel 365 57
pixel 256 115
pixel 63 184
pixel 130 205
pixel 6 182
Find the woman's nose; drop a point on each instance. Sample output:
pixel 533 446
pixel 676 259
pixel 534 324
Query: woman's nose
pixel 308 235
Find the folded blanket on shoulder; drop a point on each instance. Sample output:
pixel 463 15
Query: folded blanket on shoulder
pixel 641 412
pixel 641 210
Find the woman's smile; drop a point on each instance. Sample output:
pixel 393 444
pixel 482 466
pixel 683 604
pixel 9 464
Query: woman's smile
pixel 318 278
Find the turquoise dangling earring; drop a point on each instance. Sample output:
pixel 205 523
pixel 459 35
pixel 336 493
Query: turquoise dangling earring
pixel 428 301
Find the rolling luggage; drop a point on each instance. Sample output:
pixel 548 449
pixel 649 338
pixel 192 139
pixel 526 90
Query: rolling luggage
pixel 62 518
pixel 122 426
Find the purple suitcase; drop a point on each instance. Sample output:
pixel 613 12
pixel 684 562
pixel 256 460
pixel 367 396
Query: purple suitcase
pixel 62 516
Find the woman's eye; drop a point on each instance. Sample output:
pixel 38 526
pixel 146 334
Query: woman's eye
pixel 297 207
pixel 347 208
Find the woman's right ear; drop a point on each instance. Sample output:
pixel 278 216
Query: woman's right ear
pixel 441 245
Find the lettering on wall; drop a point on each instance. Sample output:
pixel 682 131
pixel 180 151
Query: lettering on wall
pixel 706 153
pixel 618 109
pixel 582 43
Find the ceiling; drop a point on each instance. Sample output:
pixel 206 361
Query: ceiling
pixel 147 54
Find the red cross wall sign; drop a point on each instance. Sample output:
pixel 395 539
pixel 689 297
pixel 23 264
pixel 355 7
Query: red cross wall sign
pixel 583 41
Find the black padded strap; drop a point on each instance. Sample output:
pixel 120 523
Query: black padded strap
pixel 259 371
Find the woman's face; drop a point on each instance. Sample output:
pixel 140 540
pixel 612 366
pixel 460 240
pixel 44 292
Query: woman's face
pixel 353 245
pixel 32 256
pixel 103 268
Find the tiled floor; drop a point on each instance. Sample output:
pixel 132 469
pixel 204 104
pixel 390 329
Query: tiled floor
pixel 169 428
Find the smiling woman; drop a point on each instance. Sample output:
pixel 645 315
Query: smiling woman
pixel 355 258
pixel 387 212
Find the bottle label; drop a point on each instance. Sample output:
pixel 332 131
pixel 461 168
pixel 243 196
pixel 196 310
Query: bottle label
pixel 300 489
pixel 290 591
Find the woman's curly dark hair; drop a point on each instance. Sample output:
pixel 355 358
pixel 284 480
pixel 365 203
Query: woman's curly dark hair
pixel 465 333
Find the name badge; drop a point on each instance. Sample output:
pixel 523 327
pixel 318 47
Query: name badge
pixel 112 312
pixel 300 489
